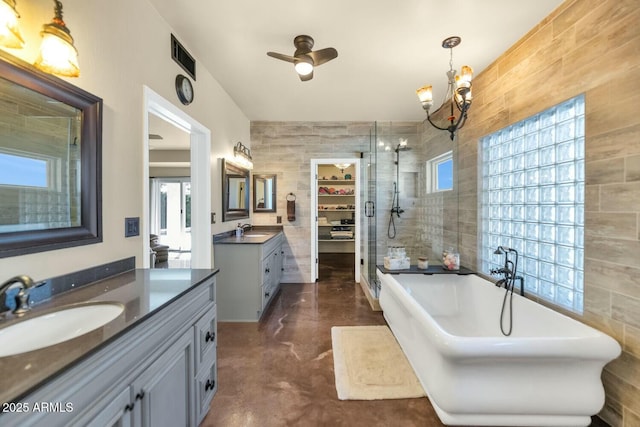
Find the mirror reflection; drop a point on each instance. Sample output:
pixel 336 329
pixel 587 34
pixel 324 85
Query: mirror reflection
pixel 50 161
pixel 264 193
pixel 40 166
pixel 235 191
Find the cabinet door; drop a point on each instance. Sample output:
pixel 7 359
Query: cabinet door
pixel 163 393
pixel 116 413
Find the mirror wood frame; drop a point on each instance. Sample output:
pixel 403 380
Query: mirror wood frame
pixel 256 177
pixel 229 170
pixel 90 229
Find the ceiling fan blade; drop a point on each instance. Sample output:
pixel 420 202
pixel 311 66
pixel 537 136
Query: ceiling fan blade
pixel 323 55
pixel 281 56
pixel 307 77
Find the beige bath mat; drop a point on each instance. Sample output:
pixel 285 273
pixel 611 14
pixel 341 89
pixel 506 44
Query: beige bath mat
pixel 370 365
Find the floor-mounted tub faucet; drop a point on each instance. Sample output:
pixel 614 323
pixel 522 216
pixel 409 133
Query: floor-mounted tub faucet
pixel 509 270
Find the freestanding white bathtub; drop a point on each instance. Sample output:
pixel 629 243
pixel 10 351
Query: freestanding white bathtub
pixel 547 373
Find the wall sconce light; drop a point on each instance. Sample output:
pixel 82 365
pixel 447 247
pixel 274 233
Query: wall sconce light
pixel 458 92
pixel 9 30
pixel 242 155
pixel 58 55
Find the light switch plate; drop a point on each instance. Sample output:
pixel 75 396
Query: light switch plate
pixel 132 226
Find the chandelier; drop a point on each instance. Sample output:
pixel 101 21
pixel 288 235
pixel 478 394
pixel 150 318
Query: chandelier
pixel 458 93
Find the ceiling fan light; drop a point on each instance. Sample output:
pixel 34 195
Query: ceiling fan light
pixel 304 67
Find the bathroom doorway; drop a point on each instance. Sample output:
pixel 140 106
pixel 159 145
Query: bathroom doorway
pixel 193 163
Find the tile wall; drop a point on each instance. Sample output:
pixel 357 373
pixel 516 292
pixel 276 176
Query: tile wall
pixel 590 47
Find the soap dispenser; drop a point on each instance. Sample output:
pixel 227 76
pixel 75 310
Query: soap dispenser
pixel 239 230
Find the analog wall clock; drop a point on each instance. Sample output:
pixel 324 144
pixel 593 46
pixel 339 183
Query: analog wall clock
pixel 184 89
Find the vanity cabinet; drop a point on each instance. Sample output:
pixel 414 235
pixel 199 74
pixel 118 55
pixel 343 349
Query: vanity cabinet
pixel 162 372
pixel 249 277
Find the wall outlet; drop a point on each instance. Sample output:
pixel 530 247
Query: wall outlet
pixel 132 226
pixel 278 219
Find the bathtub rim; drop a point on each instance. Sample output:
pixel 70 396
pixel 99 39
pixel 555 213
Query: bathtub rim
pixel 462 347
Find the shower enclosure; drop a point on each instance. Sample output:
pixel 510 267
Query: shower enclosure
pixel 399 209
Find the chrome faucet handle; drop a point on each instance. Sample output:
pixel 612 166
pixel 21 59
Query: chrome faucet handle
pixel 22 303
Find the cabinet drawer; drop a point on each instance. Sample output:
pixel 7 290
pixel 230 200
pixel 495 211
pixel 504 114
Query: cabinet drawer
pixel 271 244
pixel 206 387
pixel 206 337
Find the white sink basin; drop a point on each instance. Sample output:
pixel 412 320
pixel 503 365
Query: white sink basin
pixel 256 235
pixel 56 327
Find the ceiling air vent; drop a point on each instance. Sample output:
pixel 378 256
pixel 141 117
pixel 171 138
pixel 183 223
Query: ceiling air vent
pixel 182 57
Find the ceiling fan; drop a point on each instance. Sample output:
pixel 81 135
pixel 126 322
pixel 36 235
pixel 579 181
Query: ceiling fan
pixel 304 59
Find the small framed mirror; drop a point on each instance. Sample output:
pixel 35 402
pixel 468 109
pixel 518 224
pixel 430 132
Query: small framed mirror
pixel 264 192
pixel 235 192
pixel 50 161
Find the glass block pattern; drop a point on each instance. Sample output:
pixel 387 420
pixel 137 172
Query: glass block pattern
pixel 532 200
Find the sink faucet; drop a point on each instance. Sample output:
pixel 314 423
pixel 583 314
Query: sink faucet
pixel 22 299
pixel 246 227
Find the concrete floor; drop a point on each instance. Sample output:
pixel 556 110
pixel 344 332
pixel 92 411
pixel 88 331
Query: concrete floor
pixel 279 372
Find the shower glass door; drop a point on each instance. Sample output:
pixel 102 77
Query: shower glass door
pixel 370 212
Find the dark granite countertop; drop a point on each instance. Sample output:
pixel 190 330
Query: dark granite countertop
pixel 142 292
pixel 261 234
pixel 433 269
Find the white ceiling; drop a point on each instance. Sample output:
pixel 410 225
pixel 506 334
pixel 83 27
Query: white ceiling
pixel 386 50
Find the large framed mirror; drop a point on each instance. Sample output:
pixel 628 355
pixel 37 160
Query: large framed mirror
pixel 264 192
pixel 50 161
pixel 235 192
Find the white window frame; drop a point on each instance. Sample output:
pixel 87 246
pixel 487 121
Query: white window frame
pixel 433 184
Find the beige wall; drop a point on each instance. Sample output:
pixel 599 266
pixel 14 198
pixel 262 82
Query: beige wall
pixel 590 47
pixel 122 46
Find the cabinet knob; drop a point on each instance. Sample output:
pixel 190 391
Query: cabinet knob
pixel 140 395
pixel 211 336
pixel 129 407
pixel 267 270
pixel 210 385
pixel 266 294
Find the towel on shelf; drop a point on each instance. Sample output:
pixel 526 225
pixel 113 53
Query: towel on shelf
pixel 291 210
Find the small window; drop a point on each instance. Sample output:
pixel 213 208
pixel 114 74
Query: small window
pixel 23 171
pixel 440 173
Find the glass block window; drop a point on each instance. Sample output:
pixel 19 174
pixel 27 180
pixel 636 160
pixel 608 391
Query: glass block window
pixel 532 200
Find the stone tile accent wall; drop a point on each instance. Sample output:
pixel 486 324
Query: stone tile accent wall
pixel 286 148
pixel 591 47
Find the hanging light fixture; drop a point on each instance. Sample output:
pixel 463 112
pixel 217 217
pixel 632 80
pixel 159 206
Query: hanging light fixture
pixel 58 55
pixel 458 92
pixel 9 31
pixel 342 166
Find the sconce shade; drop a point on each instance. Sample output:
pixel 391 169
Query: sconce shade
pixel 58 55
pixel 9 30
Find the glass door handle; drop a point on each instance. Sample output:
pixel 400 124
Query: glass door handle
pixel 369 209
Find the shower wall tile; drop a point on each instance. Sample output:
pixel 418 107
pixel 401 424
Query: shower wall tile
pixel 605 171
pixel 632 169
pixel 626 309
pixel 623 197
pixel 632 340
pixel 611 224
